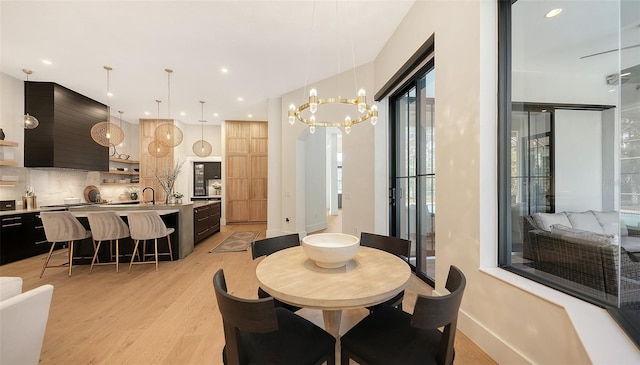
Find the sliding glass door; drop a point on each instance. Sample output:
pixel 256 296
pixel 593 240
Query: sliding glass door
pixel 413 184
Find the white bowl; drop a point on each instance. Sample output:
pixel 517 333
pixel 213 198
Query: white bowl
pixel 330 250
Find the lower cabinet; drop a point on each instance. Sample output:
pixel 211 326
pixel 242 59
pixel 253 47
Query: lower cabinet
pixel 206 221
pixel 21 236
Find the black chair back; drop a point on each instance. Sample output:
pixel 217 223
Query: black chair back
pixel 432 312
pixel 258 316
pixel 395 245
pixel 267 246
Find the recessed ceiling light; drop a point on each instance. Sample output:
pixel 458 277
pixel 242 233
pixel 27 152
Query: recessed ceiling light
pixel 553 13
pixel 240 98
pixel 183 113
pixel 109 94
pixel 250 115
pixel 146 113
pixel 46 62
pixel 215 114
pixel 612 90
pixel 224 70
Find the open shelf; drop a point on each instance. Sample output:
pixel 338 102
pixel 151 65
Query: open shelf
pixel 8 143
pixel 120 184
pixel 116 172
pixel 8 163
pixel 8 183
pixel 133 162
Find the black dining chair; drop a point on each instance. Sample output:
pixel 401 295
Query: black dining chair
pixel 258 332
pixel 391 336
pixel 267 246
pixel 394 245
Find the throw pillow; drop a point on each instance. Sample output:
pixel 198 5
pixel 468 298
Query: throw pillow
pixel 610 221
pixel 585 221
pixel 565 231
pixel 546 220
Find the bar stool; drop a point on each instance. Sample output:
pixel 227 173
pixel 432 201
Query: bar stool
pixel 107 226
pixel 147 225
pixel 62 227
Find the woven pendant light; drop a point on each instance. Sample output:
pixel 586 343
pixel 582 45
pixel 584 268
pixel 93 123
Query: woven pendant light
pixel 155 148
pixel 107 133
pixel 168 134
pixel 202 148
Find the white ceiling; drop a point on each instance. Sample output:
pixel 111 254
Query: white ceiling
pixel 264 44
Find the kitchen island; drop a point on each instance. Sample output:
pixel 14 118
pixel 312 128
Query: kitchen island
pixel 21 227
pixel 183 221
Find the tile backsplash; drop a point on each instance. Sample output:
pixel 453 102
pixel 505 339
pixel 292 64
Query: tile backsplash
pixel 52 186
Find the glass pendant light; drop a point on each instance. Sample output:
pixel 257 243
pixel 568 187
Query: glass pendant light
pixel 30 122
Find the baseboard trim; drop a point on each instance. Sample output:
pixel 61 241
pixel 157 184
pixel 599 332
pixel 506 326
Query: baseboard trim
pixel 488 341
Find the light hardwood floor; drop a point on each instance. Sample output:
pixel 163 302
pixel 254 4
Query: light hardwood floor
pixel 164 317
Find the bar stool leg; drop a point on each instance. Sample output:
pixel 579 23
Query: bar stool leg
pixel 70 257
pixel 169 242
pixel 117 255
pixel 94 257
pixel 156 252
pixel 46 262
pixel 133 255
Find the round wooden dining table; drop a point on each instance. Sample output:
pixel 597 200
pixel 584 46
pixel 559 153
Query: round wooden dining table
pixel 371 277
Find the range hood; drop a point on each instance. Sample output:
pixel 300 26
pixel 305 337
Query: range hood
pixel 63 138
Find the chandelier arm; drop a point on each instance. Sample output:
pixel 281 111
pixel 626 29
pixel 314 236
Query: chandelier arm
pixel 298 113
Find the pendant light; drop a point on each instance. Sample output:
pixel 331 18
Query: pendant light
pixel 202 148
pixel 107 133
pixel 155 148
pixel 30 122
pixel 168 134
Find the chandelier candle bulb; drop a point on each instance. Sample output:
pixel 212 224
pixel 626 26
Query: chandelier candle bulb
pixel 362 101
pixel 292 114
pixel 313 100
pixel 374 114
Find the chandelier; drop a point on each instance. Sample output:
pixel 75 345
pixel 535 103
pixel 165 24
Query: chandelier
pixel 364 110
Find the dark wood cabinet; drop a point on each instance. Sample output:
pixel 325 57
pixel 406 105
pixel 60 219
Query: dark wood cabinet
pixel 63 138
pixel 206 221
pixel 21 236
pixel 212 170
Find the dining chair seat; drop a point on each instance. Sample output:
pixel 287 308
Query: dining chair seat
pixel 257 332
pixel 107 226
pixel 62 228
pixel 267 246
pixel 148 225
pixel 389 335
pixel 394 245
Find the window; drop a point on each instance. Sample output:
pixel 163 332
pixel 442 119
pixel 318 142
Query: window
pixel 569 150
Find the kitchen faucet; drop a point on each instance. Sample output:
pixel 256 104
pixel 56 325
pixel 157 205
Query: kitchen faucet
pixel 153 194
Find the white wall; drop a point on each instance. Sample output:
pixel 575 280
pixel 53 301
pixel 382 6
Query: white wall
pixel 316 180
pixel 358 164
pixel 578 160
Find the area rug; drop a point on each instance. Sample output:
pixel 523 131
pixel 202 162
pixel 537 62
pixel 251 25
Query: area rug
pixel 236 242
